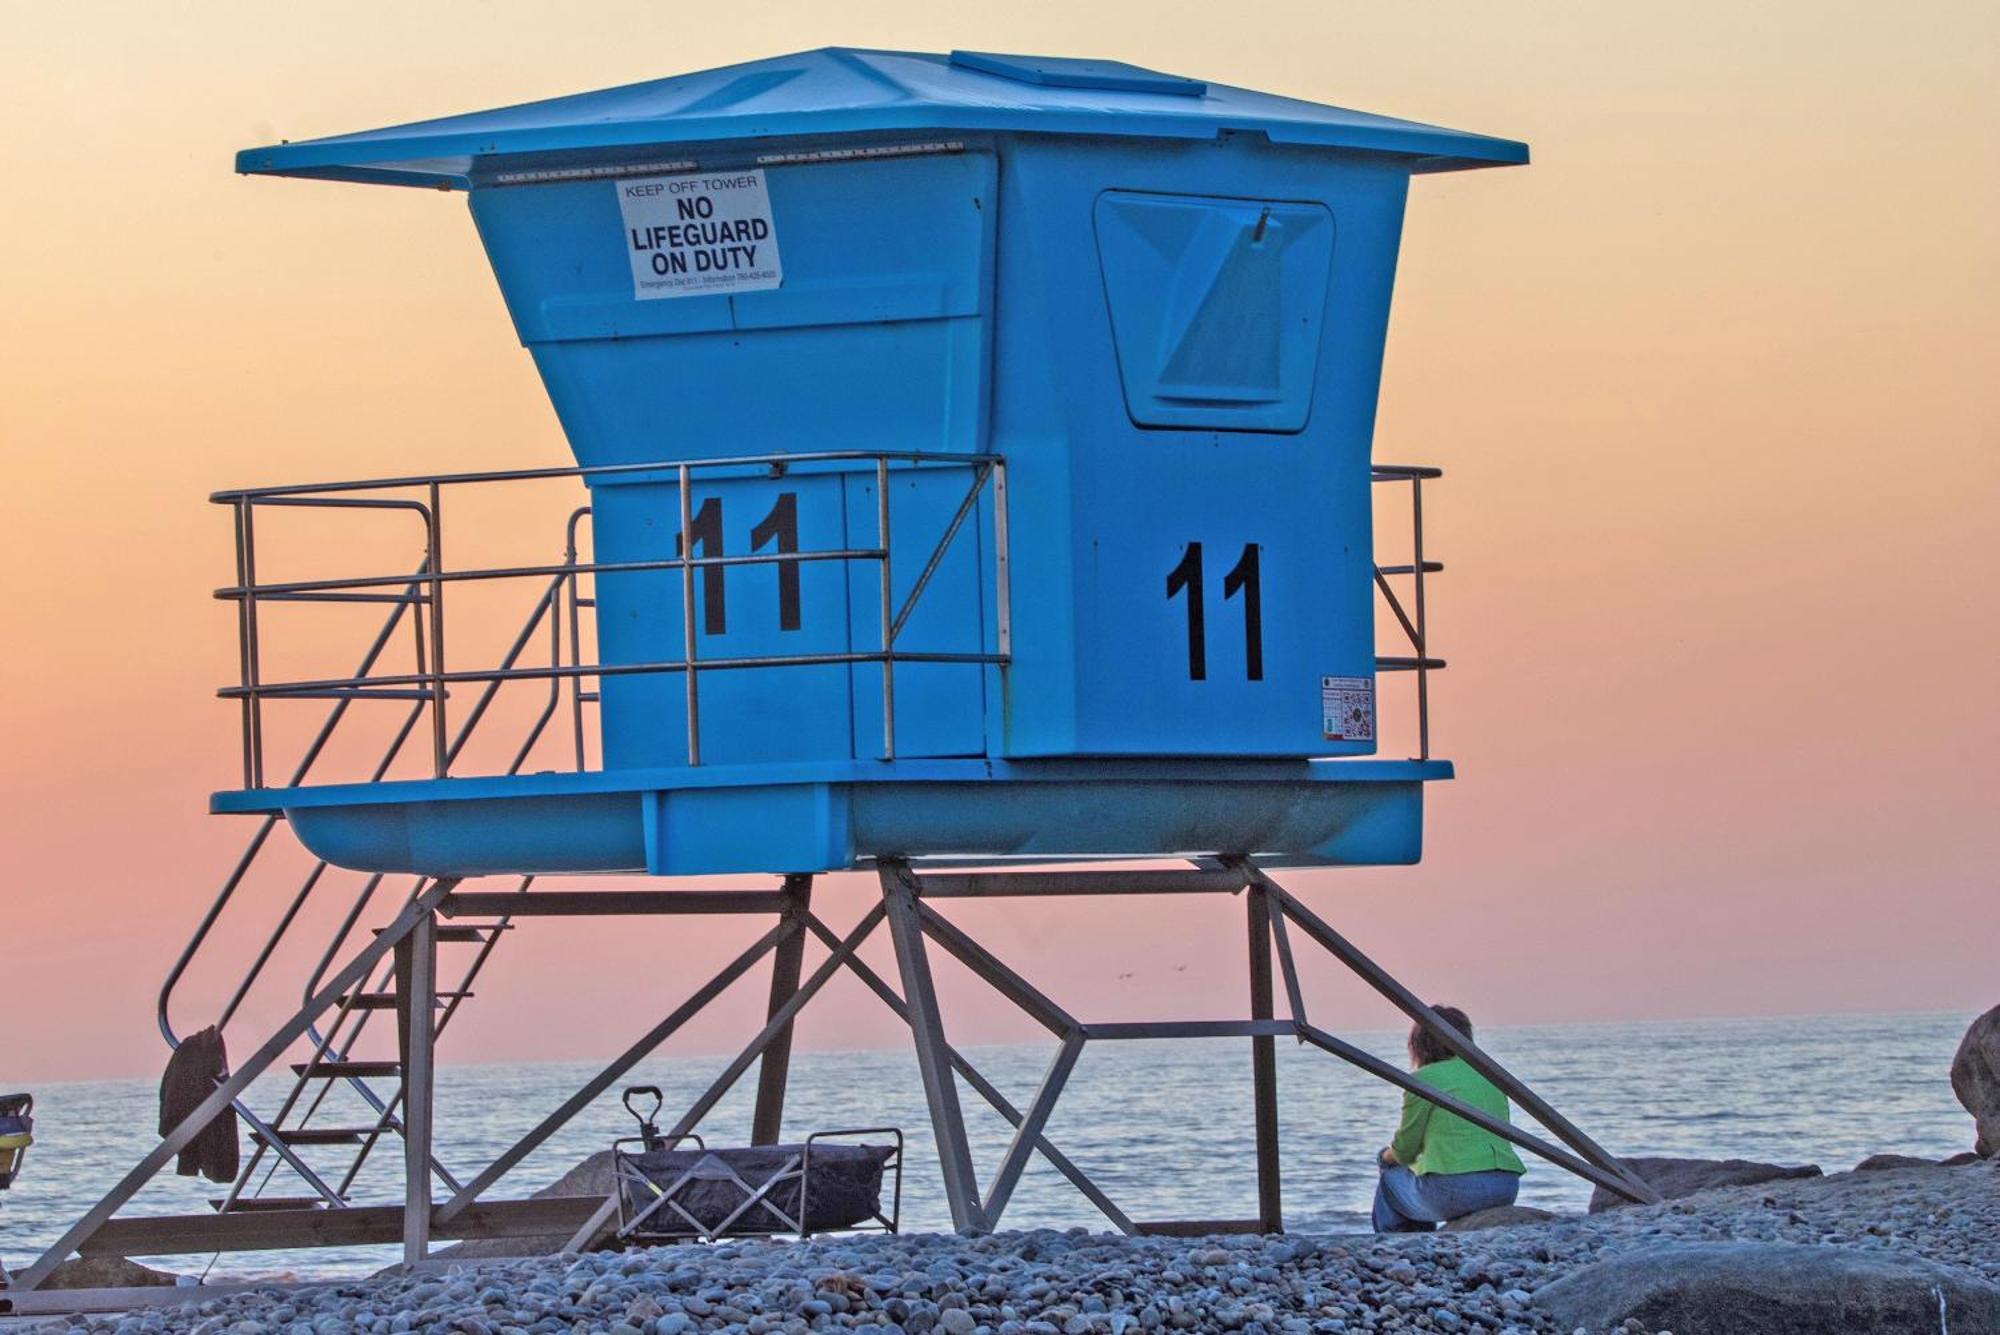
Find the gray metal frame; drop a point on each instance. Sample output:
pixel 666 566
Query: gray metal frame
pixel 558 608
pixel 909 906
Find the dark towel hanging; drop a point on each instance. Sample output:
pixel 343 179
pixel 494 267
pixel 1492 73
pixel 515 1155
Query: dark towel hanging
pixel 198 1064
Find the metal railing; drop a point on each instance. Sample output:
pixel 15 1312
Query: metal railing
pixel 1413 620
pixel 335 1045
pixel 429 684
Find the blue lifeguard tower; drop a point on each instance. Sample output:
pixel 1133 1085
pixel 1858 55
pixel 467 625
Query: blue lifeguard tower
pixel 974 465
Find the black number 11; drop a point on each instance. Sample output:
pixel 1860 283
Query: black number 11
pixel 1243 578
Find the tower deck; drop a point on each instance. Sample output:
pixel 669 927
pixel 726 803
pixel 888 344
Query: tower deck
pixel 831 816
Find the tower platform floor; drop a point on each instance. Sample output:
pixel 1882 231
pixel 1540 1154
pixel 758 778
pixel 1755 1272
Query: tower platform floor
pixel 834 816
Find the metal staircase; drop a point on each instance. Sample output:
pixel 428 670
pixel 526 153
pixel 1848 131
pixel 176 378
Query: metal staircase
pixel 339 1060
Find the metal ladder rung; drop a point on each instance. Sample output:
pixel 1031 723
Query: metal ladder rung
pixel 247 1204
pixel 386 1001
pixel 323 596
pixel 323 1135
pixel 332 1070
pixel 356 693
pixel 467 932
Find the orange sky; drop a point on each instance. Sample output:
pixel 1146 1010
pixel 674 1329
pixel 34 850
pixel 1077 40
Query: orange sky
pixel 1712 381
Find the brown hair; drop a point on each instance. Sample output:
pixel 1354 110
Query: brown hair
pixel 1426 1047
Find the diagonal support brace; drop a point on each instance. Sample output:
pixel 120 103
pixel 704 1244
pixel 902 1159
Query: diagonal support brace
pixel 1630 1185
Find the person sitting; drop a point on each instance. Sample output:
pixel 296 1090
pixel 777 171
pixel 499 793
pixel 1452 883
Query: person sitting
pixel 1441 1166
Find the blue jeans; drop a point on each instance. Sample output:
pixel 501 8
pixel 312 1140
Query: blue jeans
pixel 1408 1203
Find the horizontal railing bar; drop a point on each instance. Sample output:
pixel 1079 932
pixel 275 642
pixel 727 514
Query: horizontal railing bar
pixel 361 693
pixel 233 592
pixel 1192 1029
pixel 342 503
pixel 262 495
pixel 280 690
pixel 1430 568
pixel 609 903
pixel 999 885
pixel 311 596
pixel 1408 664
pixel 1404 472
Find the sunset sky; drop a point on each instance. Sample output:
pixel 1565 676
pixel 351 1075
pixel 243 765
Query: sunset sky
pixel 1713 382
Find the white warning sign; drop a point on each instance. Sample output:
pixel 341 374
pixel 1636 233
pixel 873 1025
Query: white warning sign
pixel 1347 708
pixel 691 235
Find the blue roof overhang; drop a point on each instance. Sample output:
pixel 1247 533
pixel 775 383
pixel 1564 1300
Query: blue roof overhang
pixel 840 93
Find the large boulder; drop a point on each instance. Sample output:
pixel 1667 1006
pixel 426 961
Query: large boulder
pixel 106 1272
pixel 1877 1163
pixel 1673 1178
pixel 1975 1078
pixel 1500 1216
pixel 1771 1288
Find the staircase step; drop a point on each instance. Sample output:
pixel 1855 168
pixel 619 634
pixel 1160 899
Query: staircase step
pixel 473 932
pixel 468 932
pixel 386 1001
pixel 247 1204
pixel 320 1135
pixel 348 1069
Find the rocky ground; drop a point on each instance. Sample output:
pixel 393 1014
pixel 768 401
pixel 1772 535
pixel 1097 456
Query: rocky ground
pixel 1938 1227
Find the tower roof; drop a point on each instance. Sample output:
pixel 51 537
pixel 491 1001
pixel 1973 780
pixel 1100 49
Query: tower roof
pixel 844 91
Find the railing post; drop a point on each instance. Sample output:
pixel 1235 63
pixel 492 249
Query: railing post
pixel 888 612
pixel 687 615
pixel 440 737
pixel 1423 636
pixel 253 703
pixel 1003 597
pixel 574 584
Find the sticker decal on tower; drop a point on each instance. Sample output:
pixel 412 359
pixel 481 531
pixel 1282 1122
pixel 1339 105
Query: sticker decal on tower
pixel 1347 708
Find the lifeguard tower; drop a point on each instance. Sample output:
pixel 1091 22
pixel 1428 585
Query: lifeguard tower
pixel 974 466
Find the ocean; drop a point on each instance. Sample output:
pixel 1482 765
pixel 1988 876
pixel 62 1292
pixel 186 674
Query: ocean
pixel 1163 1127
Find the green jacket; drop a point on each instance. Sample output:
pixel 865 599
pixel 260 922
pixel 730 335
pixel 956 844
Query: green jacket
pixel 1431 1140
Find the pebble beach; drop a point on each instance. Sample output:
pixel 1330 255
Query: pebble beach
pixel 1079 1283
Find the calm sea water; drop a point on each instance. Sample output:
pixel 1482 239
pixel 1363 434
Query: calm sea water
pixel 1163 1127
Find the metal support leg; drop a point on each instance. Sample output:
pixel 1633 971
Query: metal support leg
pixel 1264 1064
pixel 416 1003
pixel 774 1067
pixel 961 1187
